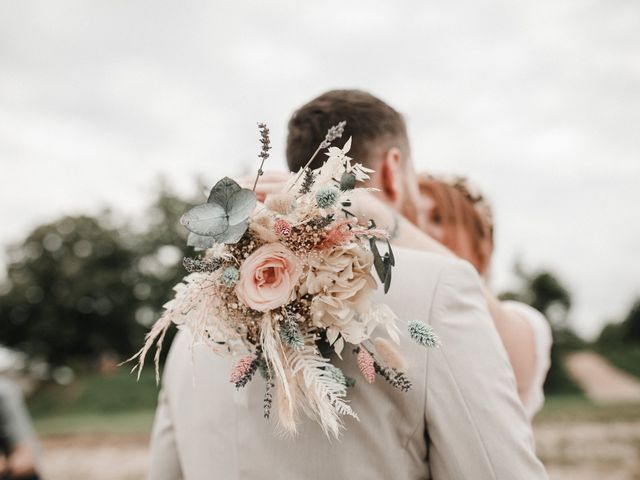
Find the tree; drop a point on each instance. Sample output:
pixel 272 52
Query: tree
pixel 82 286
pixel 544 292
pixel 631 324
pixel 69 292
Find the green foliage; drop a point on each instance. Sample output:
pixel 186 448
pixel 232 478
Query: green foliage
pixel 72 291
pixel 621 334
pixel 626 358
pixel 81 286
pixel 97 394
pixel 544 291
pixel 631 324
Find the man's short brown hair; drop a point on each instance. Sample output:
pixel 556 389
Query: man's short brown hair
pixel 370 121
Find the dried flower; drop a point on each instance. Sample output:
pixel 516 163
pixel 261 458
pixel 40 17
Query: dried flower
pixel 366 365
pixel 197 265
pixel 244 370
pixel 282 228
pixel 390 354
pixel 338 234
pixel 282 203
pixel 268 399
pixel 230 276
pixel 307 181
pixel 327 197
pixel 264 150
pixel 423 334
pixel 333 133
pixel 268 277
pixel 290 333
pixel 340 281
pixel 395 378
pixel 337 374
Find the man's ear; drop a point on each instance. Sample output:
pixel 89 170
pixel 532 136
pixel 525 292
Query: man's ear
pixel 391 174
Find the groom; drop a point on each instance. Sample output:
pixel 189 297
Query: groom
pixel 461 420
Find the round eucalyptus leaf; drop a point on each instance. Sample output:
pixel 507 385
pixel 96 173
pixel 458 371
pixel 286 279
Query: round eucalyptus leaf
pixel 200 242
pixel 222 192
pixel 232 234
pixel 208 219
pixel 240 206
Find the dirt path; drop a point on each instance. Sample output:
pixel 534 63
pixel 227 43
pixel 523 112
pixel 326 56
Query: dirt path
pixel 582 450
pixel 602 382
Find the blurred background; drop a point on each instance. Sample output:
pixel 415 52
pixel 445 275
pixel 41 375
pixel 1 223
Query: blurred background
pixel 114 116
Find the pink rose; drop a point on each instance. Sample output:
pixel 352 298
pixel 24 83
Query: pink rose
pixel 268 277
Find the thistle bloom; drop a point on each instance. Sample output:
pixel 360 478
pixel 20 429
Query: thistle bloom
pixel 423 334
pixel 230 276
pixel 327 197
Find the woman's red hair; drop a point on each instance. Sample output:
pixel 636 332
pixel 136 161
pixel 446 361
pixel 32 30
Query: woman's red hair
pixel 460 221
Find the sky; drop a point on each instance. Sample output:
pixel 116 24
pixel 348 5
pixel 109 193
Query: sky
pixel 537 102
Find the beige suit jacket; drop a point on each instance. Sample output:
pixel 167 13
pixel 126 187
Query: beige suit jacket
pixel 461 420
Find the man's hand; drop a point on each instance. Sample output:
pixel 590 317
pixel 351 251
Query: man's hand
pixel 269 182
pixel 21 461
pixel 3 464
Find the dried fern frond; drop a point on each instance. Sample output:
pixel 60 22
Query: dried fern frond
pixel 323 393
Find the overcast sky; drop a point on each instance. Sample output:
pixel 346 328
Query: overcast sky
pixel 538 102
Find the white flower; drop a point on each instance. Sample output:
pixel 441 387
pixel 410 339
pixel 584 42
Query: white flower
pixel 335 165
pixel 340 280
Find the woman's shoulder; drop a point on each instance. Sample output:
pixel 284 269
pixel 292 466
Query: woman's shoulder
pixel 537 321
pixel 543 341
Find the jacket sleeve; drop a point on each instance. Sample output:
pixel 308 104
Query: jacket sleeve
pixel 165 463
pixel 476 425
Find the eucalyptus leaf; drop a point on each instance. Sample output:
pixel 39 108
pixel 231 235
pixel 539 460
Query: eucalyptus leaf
pixel 207 219
pixel 377 260
pixel 232 234
pixel 222 192
pixel 240 206
pixel 387 272
pixel 392 257
pixel 200 242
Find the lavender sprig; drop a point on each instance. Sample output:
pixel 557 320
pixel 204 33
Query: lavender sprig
pixel 333 133
pixel 264 150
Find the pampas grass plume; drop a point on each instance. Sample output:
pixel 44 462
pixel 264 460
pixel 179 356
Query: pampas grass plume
pixel 366 364
pixel 283 203
pixel 390 354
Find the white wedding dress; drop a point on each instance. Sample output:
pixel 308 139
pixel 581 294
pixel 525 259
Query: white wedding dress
pixel 543 340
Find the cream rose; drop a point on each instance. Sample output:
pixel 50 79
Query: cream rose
pixel 268 277
pixel 342 285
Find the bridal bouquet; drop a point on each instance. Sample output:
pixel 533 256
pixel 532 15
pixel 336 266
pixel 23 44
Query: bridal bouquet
pixel 286 284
